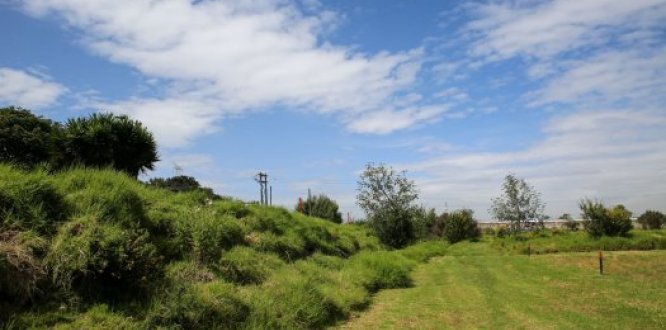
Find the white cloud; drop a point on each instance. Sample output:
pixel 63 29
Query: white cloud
pixel 387 121
pixel 617 156
pixel 546 29
pixel 28 90
pixel 240 55
pixel 638 76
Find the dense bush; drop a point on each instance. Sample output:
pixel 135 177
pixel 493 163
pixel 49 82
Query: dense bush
pixel 598 220
pixel 321 207
pixel 25 139
pixel 423 223
pixel 459 225
pixel 394 228
pixel 652 219
pixel 106 140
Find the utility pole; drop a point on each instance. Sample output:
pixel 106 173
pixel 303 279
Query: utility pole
pixel 271 196
pixel 262 178
pixel 309 201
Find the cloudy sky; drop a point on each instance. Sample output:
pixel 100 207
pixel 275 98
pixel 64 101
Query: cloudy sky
pixel 570 95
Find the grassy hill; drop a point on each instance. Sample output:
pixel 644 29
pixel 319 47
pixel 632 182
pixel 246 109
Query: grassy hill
pixel 93 248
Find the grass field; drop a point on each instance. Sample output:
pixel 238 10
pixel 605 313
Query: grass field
pixel 474 286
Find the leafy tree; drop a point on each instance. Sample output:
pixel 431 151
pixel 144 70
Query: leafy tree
pixel 25 139
pixel 599 220
pixel 652 219
pixel 423 222
pixel 387 198
pixel 107 140
pixel 177 183
pixel 321 207
pixel 459 225
pixel 520 204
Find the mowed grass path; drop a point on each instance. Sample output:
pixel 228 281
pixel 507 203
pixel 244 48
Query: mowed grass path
pixel 471 288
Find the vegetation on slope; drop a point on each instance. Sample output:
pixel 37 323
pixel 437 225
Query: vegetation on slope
pixel 96 248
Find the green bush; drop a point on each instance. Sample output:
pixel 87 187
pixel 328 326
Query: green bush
pixel 459 225
pixel 94 257
pixel 213 305
pixel 380 270
pixel 244 265
pixel 394 228
pixel 26 139
pixel 598 220
pixel 652 219
pixel 321 207
pixel 29 201
pixel 424 223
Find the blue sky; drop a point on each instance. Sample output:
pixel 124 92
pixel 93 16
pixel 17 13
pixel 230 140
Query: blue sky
pixel 569 95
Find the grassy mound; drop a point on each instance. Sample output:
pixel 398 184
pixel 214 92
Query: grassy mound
pixel 96 248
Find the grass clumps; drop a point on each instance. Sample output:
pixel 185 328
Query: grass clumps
pixel 244 265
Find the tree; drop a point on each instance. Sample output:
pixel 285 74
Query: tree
pixel 321 207
pixel 176 184
pixel 459 225
pixel 519 204
pixel 599 220
pixel 651 219
pixel 423 222
pixel 387 198
pixel 107 140
pixel 25 139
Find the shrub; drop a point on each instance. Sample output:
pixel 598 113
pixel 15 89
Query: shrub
pixel 100 258
pixel 394 228
pixel 423 222
pixel 571 225
pixel 321 207
pixel 598 220
pixel 213 305
pixel 502 231
pixel 106 140
pixel 651 219
pixel 244 265
pixel 459 225
pixel 25 139
pixel 380 270
pixel 29 201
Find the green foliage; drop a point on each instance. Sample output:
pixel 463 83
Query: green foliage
pixel 95 257
pixel 321 207
pixel 176 183
pixel 25 139
pixel 380 270
pixel 423 252
pixel 423 222
pixel 520 204
pixel 459 225
pixel 598 220
pixel 211 235
pixel 212 305
pixel 652 219
pixel 107 140
pixel 100 317
pixel 245 265
pixel 29 201
pixel 387 198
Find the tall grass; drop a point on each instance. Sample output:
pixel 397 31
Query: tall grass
pixel 95 248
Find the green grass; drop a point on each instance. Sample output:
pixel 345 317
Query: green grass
pixel 477 287
pixel 95 248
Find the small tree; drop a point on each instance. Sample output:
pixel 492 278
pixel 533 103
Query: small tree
pixel 107 140
pixel 387 198
pixel 423 222
pixel 25 139
pixel 651 219
pixel 176 184
pixel 321 207
pixel 519 204
pixel 599 221
pixel 459 225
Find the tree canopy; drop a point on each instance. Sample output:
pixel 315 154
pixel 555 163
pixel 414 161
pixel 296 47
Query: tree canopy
pixel 387 197
pixel 322 207
pixel 519 204
pixel 107 140
pixel 25 139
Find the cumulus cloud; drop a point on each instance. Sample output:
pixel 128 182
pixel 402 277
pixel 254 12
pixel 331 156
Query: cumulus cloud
pixel 28 90
pixel 240 55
